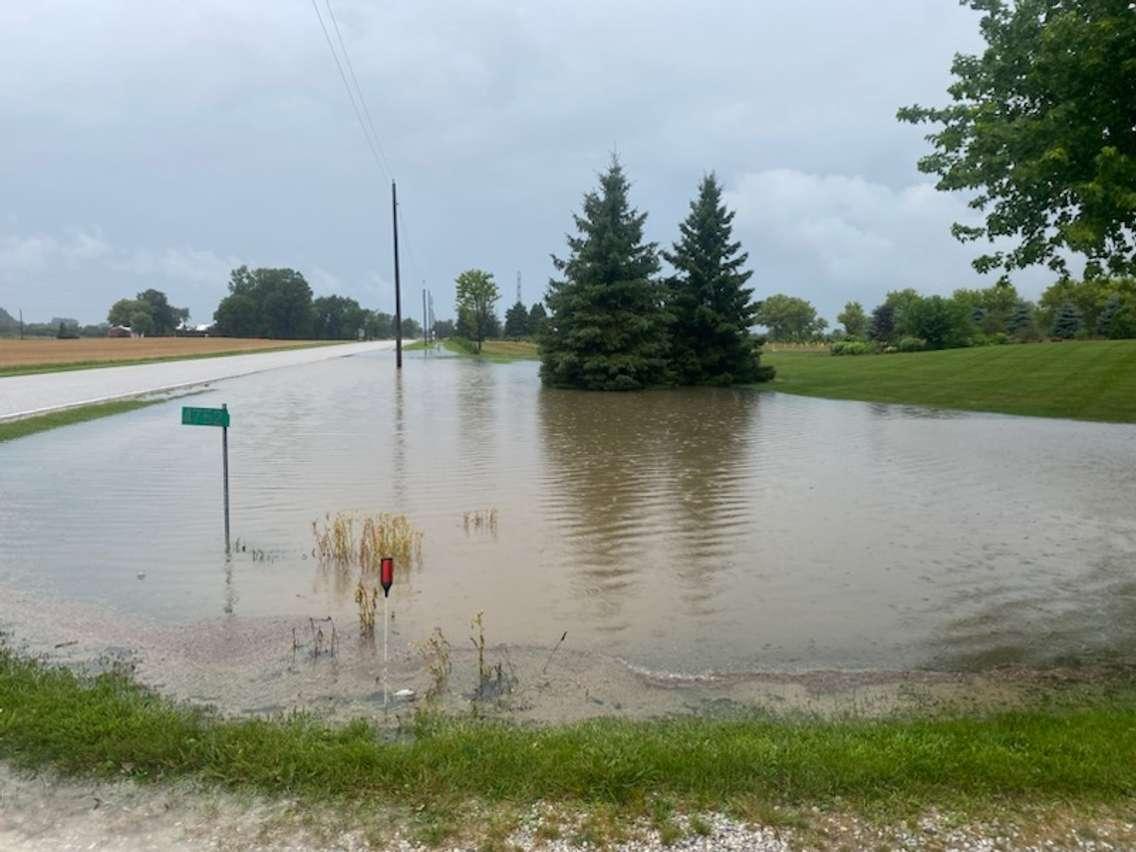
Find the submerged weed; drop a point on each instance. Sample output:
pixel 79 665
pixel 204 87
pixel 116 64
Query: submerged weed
pixel 436 652
pixel 367 600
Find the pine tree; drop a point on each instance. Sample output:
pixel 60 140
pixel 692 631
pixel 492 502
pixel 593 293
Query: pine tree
pixel 709 304
pixel 1067 322
pixel 606 329
pixel 517 321
pixel 537 317
pixel 1020 323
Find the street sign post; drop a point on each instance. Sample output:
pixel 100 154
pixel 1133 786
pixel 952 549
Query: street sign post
pixel 214 417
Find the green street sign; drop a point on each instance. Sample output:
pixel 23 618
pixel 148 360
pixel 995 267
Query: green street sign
pixel 204 416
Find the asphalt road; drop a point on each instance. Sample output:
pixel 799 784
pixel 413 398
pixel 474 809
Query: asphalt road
pixel 22 396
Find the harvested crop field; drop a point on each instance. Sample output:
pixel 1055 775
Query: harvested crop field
pixel 47 354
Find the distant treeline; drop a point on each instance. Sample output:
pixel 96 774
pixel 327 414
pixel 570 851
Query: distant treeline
pixel 1103 308
pixel 278 303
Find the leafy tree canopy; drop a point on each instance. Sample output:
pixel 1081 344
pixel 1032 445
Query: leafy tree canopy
pixel 338 318
pixel 1042 129
pixel 272 303
pixel 477 294
pixel 790 319
pixel 854 320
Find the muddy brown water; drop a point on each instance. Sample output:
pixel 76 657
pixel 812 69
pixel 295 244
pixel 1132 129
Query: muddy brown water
pixel 681 533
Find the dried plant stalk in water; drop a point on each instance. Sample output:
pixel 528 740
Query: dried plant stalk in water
pixel 436 652
pixel 389 535
pixel 367 600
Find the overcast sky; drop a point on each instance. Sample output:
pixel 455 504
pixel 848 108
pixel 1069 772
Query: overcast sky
pixel 159 143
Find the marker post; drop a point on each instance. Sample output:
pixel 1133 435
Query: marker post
pixel 386 579
pixel 191 416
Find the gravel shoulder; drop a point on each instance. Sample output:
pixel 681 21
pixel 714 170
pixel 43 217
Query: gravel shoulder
pixel 43 812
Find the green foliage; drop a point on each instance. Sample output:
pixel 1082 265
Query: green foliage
pixel 901 302
pixel 443 329
pixel 789 319
pixel 149 313
pixel 1117 319
pixel 1090 297
pixel 990 308
pixel 337 318
pixel 411 328
pixel 911 344
pixel 379 325
pixel 854 320
pixel 1068 321
pixel 476 295
pixel 710 307
pixel 1041 127
pixel 943 323
pixel 271 303
pixel 853 347
pixel 882 325
pixel 1022 323
pixel 606 329
pixel 537 318
pixel 517 321
pixel 108 726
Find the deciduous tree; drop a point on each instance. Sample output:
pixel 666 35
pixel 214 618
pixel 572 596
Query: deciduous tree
pixel 476 296
pixel 1042 130
pixel 790 319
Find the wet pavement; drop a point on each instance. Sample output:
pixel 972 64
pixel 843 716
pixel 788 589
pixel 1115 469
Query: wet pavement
pixel 43 392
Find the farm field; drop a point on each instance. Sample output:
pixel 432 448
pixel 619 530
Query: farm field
pixel 1081 380
pixel 43 355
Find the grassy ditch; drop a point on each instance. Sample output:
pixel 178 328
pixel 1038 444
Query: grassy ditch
pixel 1083 380
pixel 12 429
pixel 109 726
pixel 497 351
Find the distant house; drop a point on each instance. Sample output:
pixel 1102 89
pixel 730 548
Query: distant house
pixel 119 331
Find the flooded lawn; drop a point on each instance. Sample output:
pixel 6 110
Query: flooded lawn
pixel 679 534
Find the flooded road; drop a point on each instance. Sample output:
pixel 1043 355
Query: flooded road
pixel 21 396
pixel 681 532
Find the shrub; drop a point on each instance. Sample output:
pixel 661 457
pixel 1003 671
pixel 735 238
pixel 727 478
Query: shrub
pixel 912 344
pixel 853 347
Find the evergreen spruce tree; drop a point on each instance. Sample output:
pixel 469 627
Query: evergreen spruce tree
pixel 1067 322
pixel 709 304
pixel 1020 322
pixel 606 329
pixel 517 321
pixel 537 317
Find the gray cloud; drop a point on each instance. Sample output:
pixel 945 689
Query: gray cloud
pixel 154 143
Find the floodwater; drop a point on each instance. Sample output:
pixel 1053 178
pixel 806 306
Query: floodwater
pixel 689 531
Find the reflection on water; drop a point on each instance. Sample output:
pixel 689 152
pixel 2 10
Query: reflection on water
pixel 689 530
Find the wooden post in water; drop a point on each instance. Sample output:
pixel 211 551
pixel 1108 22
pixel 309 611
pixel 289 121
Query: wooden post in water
pixel 397 289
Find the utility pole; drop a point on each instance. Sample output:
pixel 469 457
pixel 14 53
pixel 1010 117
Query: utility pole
pixel 425 319
pixel 21 323
pixel 518 285
pixel 398 292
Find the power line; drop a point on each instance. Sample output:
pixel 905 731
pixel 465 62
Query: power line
pixel 379 161
pixel 358 89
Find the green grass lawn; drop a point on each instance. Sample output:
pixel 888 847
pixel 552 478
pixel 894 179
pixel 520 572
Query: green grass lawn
pixel 1069 750
pixel 12 429
pixel 1084 380
pixel 497 351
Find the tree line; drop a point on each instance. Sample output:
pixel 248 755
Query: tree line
pixel 1100 308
